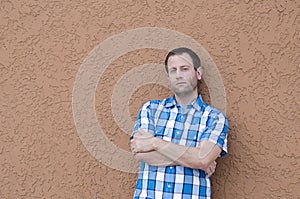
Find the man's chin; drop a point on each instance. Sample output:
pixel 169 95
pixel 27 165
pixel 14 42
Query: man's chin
pixel 183 91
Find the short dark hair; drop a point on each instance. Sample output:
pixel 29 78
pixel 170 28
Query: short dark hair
pixel 180 51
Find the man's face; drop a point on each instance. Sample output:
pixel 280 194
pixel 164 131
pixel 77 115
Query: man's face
pixel 182 75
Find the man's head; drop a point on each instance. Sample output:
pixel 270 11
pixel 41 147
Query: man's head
pixel 184 72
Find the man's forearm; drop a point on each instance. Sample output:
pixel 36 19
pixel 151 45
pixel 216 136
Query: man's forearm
pixel 194 157
pixel 156 151
pixel 154 158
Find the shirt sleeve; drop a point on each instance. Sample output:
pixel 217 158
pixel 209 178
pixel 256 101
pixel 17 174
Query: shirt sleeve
pixel 144 120
pixel 216 131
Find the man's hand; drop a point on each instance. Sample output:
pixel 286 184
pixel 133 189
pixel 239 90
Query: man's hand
pixel 142 142
pixel 211 169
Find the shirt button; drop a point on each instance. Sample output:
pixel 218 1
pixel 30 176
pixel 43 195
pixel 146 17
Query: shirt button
pixel 169 186
pixel 171 167
pixel 177 132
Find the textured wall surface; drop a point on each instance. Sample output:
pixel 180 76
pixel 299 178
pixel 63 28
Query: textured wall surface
pixel 255 45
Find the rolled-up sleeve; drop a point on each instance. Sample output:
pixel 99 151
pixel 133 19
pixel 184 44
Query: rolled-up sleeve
pixel 216 131
pixel 144 120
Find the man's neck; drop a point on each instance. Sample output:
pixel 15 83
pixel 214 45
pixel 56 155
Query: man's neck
pixel 185 99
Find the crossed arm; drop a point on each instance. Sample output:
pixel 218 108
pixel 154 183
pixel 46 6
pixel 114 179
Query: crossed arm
pixel 158 152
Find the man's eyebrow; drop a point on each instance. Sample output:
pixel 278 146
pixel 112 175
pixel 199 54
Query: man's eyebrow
pixel 181 66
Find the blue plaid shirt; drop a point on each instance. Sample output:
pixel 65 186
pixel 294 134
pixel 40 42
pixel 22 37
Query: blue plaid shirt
pixel 166 120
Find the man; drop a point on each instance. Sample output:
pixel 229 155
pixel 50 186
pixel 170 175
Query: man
pixel 178 139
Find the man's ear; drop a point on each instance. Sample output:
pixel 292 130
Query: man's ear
pixel 199 73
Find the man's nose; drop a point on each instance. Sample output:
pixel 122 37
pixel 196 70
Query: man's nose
pixel 178 74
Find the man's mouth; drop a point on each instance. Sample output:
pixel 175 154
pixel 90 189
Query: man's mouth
pixel 180 83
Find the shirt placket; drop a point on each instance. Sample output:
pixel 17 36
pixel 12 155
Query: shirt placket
pixel 186 126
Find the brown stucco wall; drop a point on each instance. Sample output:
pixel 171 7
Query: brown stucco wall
pixel 254 44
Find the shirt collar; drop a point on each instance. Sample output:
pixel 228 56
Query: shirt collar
pixel 197 103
